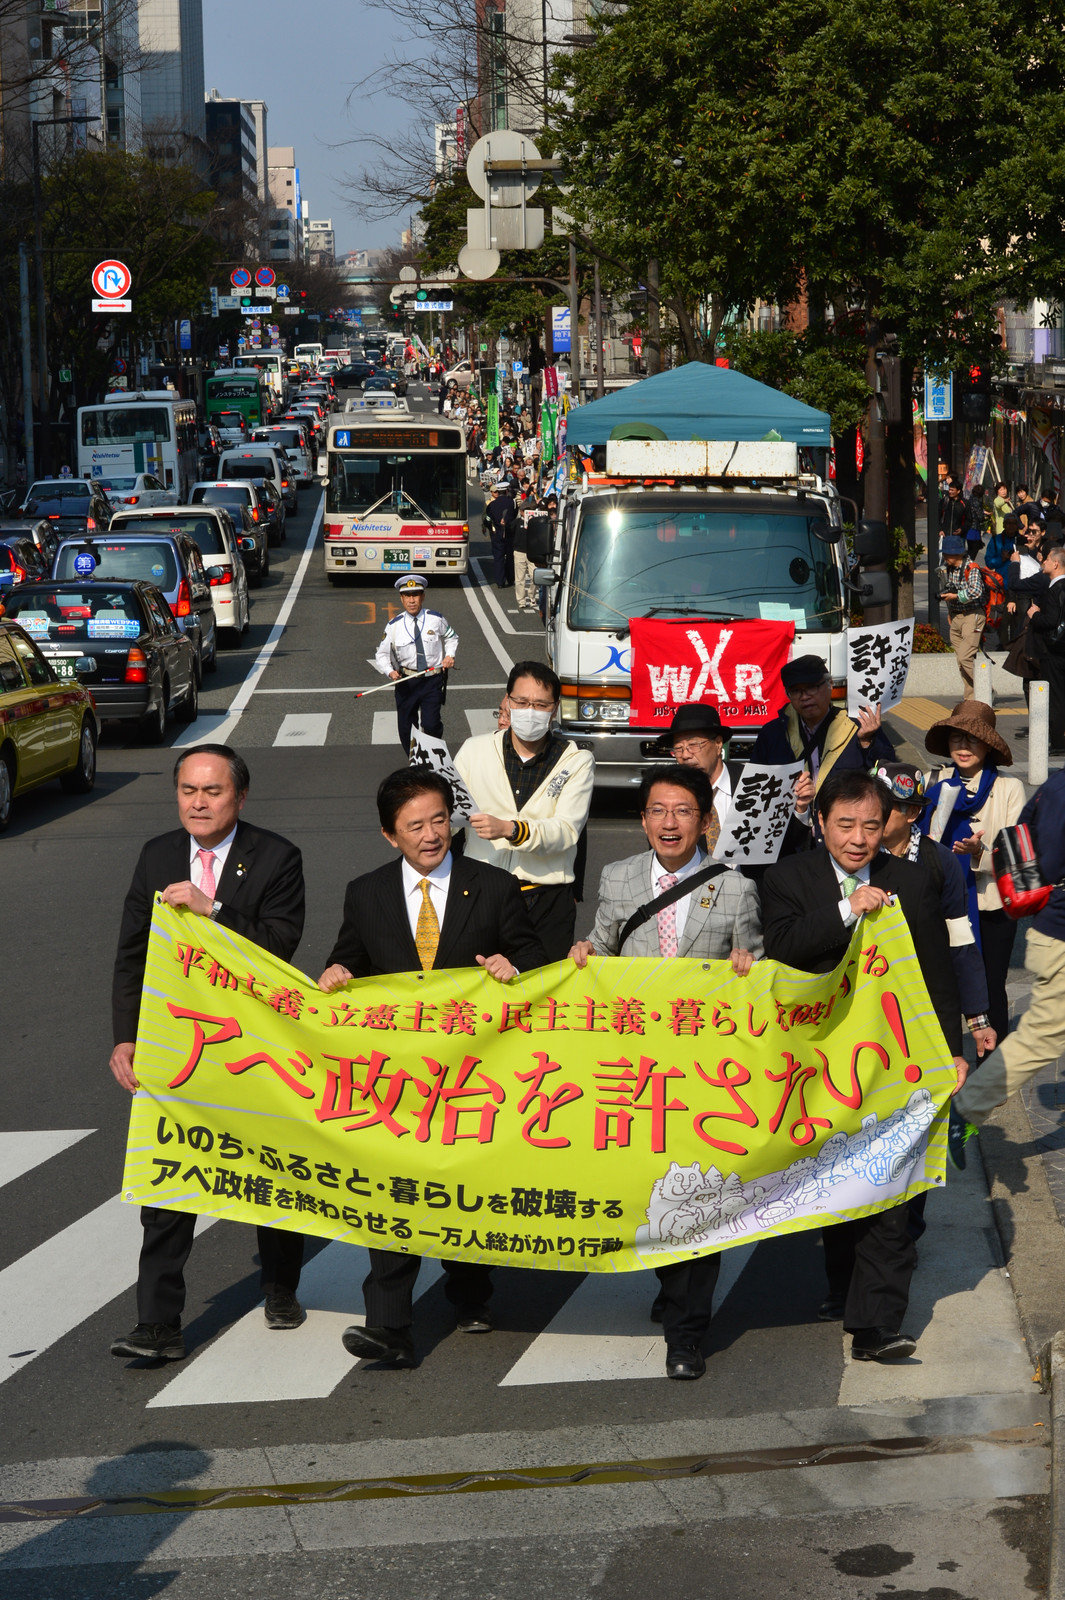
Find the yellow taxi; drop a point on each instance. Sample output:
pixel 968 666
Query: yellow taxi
pixel 48 726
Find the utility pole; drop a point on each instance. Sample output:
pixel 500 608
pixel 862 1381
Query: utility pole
pixel 600 387
pixel 43 386
pixel 931 500
pixel 574 325
pixel 874 498
pixel 27 368
pixel 654 320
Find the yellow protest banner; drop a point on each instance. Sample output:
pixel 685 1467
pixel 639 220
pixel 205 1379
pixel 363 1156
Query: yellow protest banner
pixel 621 1117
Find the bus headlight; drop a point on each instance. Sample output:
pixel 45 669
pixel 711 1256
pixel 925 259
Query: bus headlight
pixel 450 552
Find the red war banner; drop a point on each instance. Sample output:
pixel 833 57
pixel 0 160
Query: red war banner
pixel 734 666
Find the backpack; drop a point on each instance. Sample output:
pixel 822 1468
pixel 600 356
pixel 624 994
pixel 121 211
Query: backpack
pixel 994 596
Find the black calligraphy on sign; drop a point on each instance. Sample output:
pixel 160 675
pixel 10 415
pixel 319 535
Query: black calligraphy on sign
pixel 878 661
pixel 762 804
pixel 426 751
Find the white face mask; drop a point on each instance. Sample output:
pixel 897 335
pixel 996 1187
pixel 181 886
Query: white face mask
pixel 530 725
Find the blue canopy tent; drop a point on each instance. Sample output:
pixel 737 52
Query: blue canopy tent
pixel 698 401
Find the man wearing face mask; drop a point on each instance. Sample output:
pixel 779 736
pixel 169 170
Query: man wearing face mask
pixel 533 788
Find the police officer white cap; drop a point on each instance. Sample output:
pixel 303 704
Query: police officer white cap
pixel 411 583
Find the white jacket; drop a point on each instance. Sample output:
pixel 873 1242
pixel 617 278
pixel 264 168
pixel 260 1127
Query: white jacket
pixel 555 813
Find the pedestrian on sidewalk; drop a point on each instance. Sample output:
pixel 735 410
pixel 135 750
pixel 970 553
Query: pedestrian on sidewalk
pixel 998 556
pixel 1039 1037
pixel 1001 506
pixel 810 903
pixel 955 516
pixel 985 801
pixel 244 878
pixel 962 587
pixel 1046 630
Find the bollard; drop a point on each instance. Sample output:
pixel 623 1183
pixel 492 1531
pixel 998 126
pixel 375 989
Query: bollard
pixel 982 689
pixel 1038 732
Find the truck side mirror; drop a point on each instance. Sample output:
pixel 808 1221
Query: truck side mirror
pixel 544 577
pixel 871 542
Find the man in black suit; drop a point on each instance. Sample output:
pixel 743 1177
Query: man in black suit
pixel 428 909
pixel 1046 615
pixel 810 903
pixel 249 880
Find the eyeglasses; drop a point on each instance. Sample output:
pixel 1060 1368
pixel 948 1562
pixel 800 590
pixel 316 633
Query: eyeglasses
pixel 691 747
pixel 680 813
pixel 531 705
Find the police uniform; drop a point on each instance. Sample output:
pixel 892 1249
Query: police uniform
pixel 411 644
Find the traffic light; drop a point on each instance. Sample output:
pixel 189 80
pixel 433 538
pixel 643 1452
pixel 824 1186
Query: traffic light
pixel 421 294
pixel 976 394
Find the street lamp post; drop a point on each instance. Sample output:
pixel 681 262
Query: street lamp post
pixel 43 400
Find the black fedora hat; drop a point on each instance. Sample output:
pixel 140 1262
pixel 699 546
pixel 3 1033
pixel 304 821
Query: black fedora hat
pixel 694 719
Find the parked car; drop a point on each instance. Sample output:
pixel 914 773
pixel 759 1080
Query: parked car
pixel 170 562
pixel 20 560
pixel 122 639
pixel 74 505
pixel 246 500
pixel 214 532
pixel 48 726
pixel 137 489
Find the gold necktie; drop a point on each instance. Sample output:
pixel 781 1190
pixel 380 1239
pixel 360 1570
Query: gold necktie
pixel 427 938
pixel 713 830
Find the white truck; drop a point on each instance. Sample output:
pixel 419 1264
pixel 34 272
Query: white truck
pixel 720 531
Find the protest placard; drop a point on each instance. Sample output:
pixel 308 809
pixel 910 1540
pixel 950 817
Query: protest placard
pixel 753 828
pixel 621 1116
pixel 734 666
pixel 878 660
pixel 427 751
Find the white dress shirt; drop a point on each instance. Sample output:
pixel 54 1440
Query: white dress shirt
pixel 846 911
pixel 439 880
pixel 220 852
pixel 722 785
pixel 680 907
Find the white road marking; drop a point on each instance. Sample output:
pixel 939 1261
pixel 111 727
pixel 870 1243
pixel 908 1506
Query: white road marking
pixel 495 607
pixel 484 624
pixel 482 721
pixel 604 1333
pixel 224 732
pixel 384 728
pixel 21 1152
pixel 204 730
pixel 68 1278
pixel 309 727
pixel 251 1362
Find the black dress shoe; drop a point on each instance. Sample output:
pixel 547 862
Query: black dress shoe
pixel 658 1307
pixel 152 1341
pixel 392 1345
pixel 877 1344
pixel 684 1361
pixel 473 1319
pixel 283 1310
pixel 831 1308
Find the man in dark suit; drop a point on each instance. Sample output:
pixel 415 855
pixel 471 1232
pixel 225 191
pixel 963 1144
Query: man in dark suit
pixel 810 903
pixel 428 909
pixel 249 880
pixel 1045 615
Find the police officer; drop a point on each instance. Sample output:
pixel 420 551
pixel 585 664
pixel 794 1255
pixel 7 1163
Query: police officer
pixel 415 642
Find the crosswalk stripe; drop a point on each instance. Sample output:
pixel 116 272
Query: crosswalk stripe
pixel 203 731
pixel 384 728
pixel 21 1152
pixel 48 1292
pixel 251 1362
pixel 304 728
pixel 603 1333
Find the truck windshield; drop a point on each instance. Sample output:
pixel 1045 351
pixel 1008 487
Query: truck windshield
pixel 435 483
pixel 676 560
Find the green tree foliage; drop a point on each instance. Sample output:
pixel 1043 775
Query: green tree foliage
pixel 824 371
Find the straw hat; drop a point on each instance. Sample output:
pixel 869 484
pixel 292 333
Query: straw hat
pixel 969 716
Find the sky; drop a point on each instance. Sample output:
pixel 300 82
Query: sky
pixel 302 59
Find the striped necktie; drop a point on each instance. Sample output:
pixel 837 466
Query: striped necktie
pixel 427 937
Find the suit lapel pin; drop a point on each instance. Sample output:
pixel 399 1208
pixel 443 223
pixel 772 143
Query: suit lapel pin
pixel 465 894
pixel 240 869
pixel 705 901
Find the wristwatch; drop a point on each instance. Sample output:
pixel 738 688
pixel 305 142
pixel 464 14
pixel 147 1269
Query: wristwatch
pixel 216 906
pixel 981 1021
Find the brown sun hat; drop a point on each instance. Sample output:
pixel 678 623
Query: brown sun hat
pixel 969 716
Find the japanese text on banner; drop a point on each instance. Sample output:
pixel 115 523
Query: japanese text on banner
pixel 619 1117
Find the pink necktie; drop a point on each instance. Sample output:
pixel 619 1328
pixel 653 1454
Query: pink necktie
pixel 207 883
pixel 667 919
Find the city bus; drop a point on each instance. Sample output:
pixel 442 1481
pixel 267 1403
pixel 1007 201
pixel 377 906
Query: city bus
pixel 395 497
pixel 151 430
pixel 243 391
pixel 272 364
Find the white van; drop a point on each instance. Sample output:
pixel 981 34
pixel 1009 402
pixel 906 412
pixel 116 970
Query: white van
pixel 290 437
pixel 261 461
pixel 722 531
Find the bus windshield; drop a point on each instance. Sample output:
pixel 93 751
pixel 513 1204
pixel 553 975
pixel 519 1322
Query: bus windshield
pixel 430 486
pixel 681 560
pixel 125 425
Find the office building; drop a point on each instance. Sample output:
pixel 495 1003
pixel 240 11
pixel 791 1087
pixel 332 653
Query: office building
pixel 172 91
pixel 319 242
pixel 230 133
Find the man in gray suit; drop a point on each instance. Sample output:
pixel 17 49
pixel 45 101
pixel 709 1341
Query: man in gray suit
pixel 645 910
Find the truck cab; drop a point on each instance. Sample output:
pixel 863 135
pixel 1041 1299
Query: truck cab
pixel 720 531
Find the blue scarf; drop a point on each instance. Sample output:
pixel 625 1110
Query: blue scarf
pixel 959 826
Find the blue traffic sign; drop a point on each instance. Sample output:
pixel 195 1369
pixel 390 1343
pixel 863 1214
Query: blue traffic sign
pixel 282 291
pixel 241 342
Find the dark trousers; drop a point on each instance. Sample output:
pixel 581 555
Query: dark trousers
pixel 165 1250
pixel 869 1263
pixel 503 555
pixel 553 913
pixel 997 933
pixel 388 1292
pixel 687 1298
pixel 424 696
pixel 1052 668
